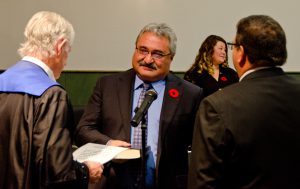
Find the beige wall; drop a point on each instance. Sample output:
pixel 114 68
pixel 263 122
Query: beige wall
pixel 106 29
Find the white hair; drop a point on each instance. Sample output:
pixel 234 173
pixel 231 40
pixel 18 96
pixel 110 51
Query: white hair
pixel 42 32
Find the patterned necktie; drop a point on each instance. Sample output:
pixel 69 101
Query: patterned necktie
pixel 137 131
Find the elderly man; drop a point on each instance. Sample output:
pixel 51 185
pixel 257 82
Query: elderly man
pixel 36 116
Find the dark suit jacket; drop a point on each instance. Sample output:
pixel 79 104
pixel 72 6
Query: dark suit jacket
pixel 247 135
pixel 108 114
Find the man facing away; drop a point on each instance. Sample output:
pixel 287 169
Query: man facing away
pixel 36 116
pixel 106 119
pixel 247 135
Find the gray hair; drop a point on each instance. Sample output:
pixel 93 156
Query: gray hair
pixel 42 32
pixel 163 30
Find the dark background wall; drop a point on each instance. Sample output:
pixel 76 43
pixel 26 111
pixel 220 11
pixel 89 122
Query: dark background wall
pixel 80 84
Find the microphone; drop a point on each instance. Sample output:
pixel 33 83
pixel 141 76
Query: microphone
pixel 150 96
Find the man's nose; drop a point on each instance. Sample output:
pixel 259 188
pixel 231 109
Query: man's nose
pixel 148 58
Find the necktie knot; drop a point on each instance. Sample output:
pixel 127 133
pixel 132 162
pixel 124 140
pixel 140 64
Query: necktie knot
pixel 146 86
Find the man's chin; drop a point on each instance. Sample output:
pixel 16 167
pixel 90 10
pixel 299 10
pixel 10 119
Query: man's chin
pixel 150 76
pixel 147 76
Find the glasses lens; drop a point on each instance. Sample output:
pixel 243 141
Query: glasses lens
pixel 142 51
pixel 157 55
pixel 154 54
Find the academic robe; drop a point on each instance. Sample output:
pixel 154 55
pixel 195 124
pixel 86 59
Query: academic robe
pixel 35 132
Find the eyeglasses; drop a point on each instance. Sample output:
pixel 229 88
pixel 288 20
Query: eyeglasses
pixel 154 54
pixel 230 45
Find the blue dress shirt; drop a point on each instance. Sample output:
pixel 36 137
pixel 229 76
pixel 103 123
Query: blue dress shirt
pixel 152 126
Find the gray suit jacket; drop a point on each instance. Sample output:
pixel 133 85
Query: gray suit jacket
pixel 108 114
pixel 247 135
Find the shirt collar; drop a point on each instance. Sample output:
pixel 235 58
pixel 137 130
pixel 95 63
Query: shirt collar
pixel 40 64
pixel 253 70
pixel 156 85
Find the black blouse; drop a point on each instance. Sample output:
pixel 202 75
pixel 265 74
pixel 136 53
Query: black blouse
pixel 209 84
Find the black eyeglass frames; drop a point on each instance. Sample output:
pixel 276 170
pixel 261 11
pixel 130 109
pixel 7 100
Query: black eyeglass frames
pixel 230 45
pixel 154 54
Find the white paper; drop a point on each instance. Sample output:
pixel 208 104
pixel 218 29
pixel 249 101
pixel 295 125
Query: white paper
pixel 96 152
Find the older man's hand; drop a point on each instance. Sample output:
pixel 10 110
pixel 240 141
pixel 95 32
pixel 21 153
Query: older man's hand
pixel 95 171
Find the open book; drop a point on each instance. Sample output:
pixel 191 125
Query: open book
pixel 103 154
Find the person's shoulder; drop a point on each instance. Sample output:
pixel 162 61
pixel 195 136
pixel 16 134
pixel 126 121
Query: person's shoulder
pixel 55 91
pixel 194 75
pixel 228 70
pixel 229 93
pixel 190 85
pixel 230 73
pixel 185 84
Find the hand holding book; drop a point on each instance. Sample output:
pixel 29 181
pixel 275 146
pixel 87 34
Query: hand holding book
pixel 103 153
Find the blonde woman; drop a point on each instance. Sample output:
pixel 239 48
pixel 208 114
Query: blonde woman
pixel 210 69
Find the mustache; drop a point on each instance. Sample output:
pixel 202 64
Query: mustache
pixel 151 65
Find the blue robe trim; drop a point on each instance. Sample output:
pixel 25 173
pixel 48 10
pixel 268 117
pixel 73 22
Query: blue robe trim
pixel 25 77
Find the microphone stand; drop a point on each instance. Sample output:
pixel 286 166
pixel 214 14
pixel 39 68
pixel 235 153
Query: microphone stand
pixel 143 151
pixel 140 117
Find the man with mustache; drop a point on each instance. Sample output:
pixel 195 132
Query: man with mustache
pixel 170 118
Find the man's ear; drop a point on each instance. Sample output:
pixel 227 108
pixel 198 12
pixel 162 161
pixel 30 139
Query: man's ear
pixel 241 56
pixel 60 45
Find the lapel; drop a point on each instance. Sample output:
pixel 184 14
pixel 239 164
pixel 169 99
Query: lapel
pixel 124 85
pixel 170 104
pixel 169 107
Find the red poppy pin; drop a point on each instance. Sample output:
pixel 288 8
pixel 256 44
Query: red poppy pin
pixel 174 93
pixel 223 78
